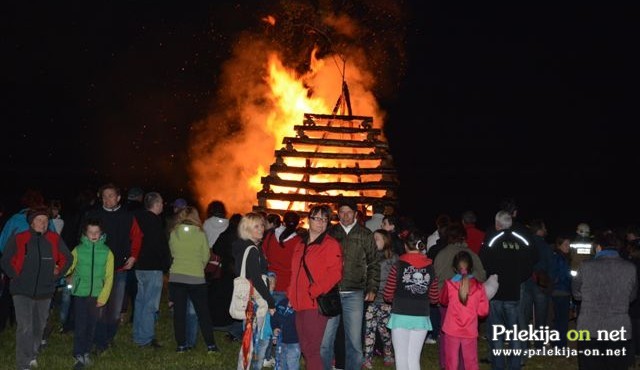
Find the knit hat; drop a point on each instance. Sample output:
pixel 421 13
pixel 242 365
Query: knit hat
pixel 32 213
pixel 179 203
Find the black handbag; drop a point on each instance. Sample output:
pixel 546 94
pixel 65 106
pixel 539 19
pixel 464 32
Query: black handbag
pixel 329 303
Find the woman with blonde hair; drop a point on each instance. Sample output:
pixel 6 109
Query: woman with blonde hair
pixel 190 252
pixel 250 233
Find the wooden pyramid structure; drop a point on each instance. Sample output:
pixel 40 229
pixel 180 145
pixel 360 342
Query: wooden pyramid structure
pixel 332 157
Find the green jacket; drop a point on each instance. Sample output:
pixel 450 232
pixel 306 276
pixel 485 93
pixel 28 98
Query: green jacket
pixel 92 269
pixel 360 269
pixel 190 252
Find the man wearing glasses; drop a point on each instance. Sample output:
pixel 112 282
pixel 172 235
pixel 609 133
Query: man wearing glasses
pixel 360 279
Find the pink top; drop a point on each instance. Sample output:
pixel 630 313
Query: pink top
pixel 462 320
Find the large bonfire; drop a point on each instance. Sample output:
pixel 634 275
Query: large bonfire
pixel 261 99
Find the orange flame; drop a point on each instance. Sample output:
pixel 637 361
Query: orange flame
pixel 228 163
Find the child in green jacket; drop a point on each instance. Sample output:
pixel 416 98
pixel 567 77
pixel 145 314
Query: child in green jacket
pixel 91 283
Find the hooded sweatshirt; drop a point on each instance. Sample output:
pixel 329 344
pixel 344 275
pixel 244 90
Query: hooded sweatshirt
pixel 462 320
pixel 411 285
pixel 213 227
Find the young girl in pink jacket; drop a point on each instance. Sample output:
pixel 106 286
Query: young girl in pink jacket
pixel 466 300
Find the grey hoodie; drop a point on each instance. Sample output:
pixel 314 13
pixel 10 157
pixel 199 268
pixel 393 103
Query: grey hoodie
pixel 213 227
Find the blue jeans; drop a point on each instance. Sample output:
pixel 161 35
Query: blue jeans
pixel 352 316
pixel 147 306
pixel 277 297
pixel 65 303
pixel 288 356
pixel 191 328
pixel 109 318
pixel 259 353
pixel 503 313
pixel 259 350
pixel 533 300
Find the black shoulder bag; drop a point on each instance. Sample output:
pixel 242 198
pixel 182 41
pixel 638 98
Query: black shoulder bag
pixel 329 303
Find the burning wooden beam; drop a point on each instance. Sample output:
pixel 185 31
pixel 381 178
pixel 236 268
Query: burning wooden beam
pixel 338 129
pixel 325 186
pixel 282 168
pixel 310 118
pixel 336 142
pixel 328 199
pixel 348 156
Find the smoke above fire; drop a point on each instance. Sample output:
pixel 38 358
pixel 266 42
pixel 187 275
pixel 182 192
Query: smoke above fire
pixel 294 64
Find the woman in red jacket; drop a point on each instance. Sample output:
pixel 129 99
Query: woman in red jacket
pixel 323 256
pixel 278 246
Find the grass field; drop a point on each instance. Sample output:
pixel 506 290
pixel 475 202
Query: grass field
pixel 125 355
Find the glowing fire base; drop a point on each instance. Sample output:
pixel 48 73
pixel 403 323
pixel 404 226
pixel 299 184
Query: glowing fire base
pixel 332 157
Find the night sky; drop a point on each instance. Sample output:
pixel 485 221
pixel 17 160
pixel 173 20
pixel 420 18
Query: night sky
pixel 529 101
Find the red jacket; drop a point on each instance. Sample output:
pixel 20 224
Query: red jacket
pixel 34 262
pixel 462 320
pixel 324 261
pixel 279 257
pixel 475 237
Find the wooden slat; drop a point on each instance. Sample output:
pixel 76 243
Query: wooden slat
pixel 336 142
pixel 324 186
pixel 329 199
pixel 338 117
pixel 338 129
pixel 333 170
pixel 351 156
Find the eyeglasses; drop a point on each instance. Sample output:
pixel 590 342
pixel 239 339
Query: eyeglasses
pixel 316 218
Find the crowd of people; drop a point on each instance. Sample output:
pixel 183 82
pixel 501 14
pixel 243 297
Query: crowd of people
pixel 399 288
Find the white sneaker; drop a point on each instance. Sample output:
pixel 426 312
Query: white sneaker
pixel 269 363
pixel 33 363
pixel 430 341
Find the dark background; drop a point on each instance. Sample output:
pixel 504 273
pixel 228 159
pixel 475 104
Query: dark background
pixel 528 101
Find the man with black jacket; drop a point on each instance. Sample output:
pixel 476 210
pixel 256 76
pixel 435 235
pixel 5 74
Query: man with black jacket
pixel 154 259
pixel 507 253
pixel 124 238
